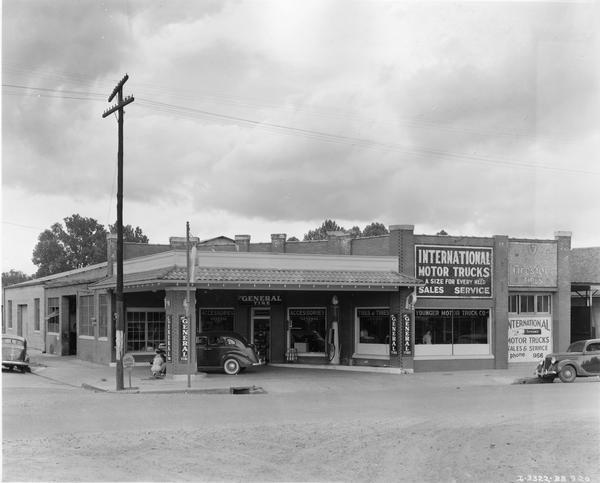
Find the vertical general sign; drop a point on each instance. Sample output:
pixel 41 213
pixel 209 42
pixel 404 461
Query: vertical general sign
pixel 454 271
pixel 169 338
pixel 406 335
pixel 394 334
pixel 184 338
pixel 529 338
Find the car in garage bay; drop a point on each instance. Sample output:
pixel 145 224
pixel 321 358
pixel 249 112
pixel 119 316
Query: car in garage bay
pixel 229 351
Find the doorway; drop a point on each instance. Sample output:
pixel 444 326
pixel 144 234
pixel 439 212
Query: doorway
pixel 260 330
pixel 71 300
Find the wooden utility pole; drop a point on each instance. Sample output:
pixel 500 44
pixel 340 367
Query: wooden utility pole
pixel 120 325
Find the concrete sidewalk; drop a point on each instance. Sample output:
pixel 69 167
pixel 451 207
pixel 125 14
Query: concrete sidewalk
pixel 279 378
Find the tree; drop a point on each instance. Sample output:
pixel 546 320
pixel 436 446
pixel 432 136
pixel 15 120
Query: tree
pixel 293 239
pixel 130 234
pixel 442 232
pixel 49 254
pixel 14 276
pixel 320 233
pixel 375 229
pixel 80 243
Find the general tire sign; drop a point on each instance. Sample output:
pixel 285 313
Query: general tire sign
pixel 453 271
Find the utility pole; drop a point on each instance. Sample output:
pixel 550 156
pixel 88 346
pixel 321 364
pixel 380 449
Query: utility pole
pixel 119 335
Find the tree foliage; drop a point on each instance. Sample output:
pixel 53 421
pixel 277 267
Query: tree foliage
pixel 80 243
pixel 14 276
pixel 320 233
pixel 130 234
pixel 375 229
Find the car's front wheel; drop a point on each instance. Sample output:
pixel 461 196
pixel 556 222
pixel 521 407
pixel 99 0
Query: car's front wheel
pixel 567 374
pixel 231 366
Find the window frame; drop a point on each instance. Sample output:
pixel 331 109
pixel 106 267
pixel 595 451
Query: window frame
pixel 9 314
pixel 370 350
pixel 86 316
pixel 515 300
pixel 103 306
pixel 145 311
pixel 54 319
pixel 36 315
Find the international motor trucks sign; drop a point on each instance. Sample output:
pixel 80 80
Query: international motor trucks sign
pixel 529 338
pixel 453 271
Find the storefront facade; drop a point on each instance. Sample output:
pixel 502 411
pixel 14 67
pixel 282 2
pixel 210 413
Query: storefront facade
pixel 403 300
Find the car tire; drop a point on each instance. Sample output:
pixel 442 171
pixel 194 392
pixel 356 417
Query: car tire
pixel 567 374
pixel 231 366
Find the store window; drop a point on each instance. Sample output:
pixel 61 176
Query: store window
pixel 145 329
pixel 373 330
pixel 216 319
pixel 86 315
pixel 36 315
pixel 529 304
pixel 53 312
pixel 308 327
pixel 452 332
pixel 103 315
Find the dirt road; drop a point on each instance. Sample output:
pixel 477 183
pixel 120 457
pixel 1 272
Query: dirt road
pixel 354 432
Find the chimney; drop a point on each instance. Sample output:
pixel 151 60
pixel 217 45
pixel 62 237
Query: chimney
pixel 278 242
pixel 242 243
pixel 339 243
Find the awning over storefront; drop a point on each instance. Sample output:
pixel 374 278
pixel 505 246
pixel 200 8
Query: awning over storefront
pixel 250 278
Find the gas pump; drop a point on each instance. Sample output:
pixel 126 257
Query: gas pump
pixel 332 342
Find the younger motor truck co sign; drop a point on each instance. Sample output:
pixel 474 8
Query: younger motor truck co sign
pixel 454 272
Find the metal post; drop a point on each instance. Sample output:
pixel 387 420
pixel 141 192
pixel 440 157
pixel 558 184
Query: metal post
pixel 192 336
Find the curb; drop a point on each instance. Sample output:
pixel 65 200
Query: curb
pixel 137 390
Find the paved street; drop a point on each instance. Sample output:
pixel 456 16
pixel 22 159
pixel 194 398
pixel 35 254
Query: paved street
pixel 305 425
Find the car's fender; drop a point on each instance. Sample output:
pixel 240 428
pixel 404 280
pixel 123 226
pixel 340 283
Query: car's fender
pixel 570 362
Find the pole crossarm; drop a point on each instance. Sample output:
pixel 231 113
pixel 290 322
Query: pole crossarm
pixel 120 105
pixel 118 87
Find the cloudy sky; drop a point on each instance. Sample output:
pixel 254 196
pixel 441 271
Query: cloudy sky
pixel 260 117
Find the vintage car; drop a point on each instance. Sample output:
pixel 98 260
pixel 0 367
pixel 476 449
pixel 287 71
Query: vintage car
pixel 227 350
pixel 14 353
pixel 581 359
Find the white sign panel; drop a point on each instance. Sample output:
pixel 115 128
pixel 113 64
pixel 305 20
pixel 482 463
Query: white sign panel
pixel 529 338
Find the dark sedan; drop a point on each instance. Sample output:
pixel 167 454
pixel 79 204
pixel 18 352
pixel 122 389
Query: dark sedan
pixel 227 350
pixel 582 358
pixel 14 353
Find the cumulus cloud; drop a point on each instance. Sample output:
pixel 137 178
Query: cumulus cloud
pixel 465 116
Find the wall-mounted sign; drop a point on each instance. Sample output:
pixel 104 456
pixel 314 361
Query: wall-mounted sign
pixel 394 334
pixel 169 338
pixel 406 334
pixel 529 338
pixel 259 300
pixel 184 338
pixel 454 272
pixel 216 319
pixel 532 264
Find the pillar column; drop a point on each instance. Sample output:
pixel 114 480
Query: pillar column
pixel 180 340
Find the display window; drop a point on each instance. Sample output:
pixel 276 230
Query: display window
pixel 452 332
pixel 217 318
pixel 307 327
pixel 145 329
pixel 373 331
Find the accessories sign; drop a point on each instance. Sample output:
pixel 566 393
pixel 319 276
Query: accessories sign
pixel 454 272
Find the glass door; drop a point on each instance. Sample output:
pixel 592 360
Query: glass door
pixel 261 331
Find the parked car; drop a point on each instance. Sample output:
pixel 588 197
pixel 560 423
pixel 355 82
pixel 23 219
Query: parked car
pixel 14 353
pixel 227 350
pixel 581 359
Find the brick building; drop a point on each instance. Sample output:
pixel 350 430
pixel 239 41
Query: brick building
pixel 402 300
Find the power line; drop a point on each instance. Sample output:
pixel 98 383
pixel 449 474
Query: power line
pixel 420 151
